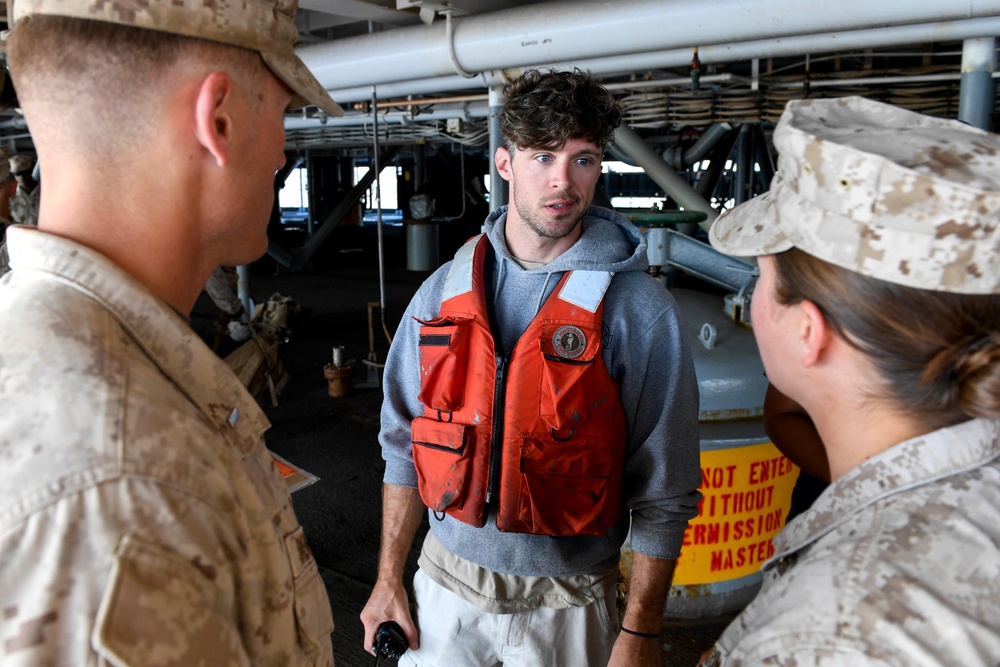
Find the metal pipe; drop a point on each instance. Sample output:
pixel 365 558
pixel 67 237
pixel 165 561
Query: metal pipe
pixel 243 290
pixel 867 81
pixel 708 54
pixel 378 207
pixel 662 174
pixel 498 186
pixel 567 31
pixel 351 119
pixel 706 142
pixel 708 179
pixel 743 172
pixel 977 94
pixel 392 104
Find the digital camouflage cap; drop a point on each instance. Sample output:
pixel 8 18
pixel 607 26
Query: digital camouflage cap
pixel 889 193
pixel 264 26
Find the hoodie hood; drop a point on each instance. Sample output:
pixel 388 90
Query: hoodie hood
pixel 609 243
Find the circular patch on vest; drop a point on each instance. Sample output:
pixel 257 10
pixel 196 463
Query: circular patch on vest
pixel 569 342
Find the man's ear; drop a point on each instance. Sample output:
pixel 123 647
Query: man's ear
pixel 814 332
pixel 503 159
pixel 213 116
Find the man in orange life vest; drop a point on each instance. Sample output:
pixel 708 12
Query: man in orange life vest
pixel 538 395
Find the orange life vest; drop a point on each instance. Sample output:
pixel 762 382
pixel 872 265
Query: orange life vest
pixel 540 433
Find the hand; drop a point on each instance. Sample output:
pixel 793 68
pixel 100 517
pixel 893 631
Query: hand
pixel 632 651
pixel 239 332
pixel 388 602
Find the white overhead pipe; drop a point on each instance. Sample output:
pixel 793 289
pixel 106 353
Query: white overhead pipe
pixel 708 54
pixel 567 30
pixel 439 112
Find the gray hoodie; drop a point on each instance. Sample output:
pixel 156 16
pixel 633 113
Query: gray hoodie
pixel 644 350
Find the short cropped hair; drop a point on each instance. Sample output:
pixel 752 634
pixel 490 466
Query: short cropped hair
pixel 108 71
pixel 545 109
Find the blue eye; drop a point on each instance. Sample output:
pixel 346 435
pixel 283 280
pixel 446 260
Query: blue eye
pixel 544 158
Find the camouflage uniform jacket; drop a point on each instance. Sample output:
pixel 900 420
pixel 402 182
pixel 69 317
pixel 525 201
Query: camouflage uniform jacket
pixel 142 520
pixel 897 563
pixel 24 206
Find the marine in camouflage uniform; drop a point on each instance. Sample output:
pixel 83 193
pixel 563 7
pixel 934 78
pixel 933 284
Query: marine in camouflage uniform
pixel 24 203
pixel 142 520
pixel 898 561
pixel 141 516
pixel 4 209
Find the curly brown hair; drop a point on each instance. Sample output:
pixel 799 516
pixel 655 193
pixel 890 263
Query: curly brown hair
pixel 544 109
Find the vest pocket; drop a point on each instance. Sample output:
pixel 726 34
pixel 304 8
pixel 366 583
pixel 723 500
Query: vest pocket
pixel 442 456
pixel 566 488
pixel 564 392
pixel 444 358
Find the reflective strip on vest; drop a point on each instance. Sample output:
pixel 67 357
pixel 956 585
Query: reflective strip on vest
pixel 586 288
pixel 583 288
pixel 459 279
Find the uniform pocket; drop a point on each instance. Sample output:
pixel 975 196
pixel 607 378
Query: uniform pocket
pixel 444 359
pixel 158 604
pixel 313 617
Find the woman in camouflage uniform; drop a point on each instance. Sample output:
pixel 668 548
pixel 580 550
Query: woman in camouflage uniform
pixel 877 310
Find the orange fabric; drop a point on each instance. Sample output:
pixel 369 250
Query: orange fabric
pixel 562 446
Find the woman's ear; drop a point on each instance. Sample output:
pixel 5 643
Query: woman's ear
pixel 214 116
pixel 814 332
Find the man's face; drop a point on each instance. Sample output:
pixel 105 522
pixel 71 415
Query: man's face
pixel 260 153
pixel 551 188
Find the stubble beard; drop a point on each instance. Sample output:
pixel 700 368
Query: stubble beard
pixel 565 223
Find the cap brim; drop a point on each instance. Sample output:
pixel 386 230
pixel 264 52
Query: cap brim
pixel 749 229
pixel 293 72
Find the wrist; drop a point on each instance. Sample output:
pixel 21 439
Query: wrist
pixel 643 635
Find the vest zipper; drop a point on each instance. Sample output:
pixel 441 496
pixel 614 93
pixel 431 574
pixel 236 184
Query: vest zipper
pixel 496 437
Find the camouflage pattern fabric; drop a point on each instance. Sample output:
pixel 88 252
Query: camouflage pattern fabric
pixel 883 191
pixel 221 293
pixel 142 520
pixel 24 206
pixel 897 563
pixel 264 26
pixel 18 163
